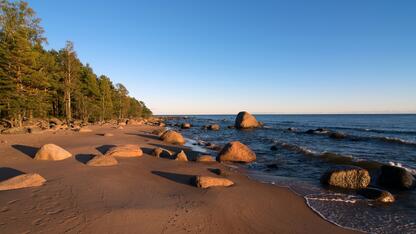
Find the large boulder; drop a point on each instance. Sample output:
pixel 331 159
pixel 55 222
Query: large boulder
pixel 377 195
pixel 161 153
pixel 126 151
pixel 22 181
pixel 396 177
pixel 181 156
pixel 102 161
pixel 246 120
pixel 208 181
pixel 173 137
pixel 52 152
pixel 235 151
pixel 348 177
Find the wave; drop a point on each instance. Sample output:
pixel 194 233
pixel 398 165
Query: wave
pixel 409 132
pixel 397 164
pixel 330 157
pixel 341 135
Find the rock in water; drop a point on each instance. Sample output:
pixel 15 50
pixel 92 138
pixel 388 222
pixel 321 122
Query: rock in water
pixel 127 151
pixel 22 181
pixel 186 125
pixel 52 152
pixel 205 158
pixel 207 181
pixel 245 120
pixel 348 177
pixel 161 153
pixel 236 152
pixel 214 127
pixel 181 156
pixel 396 177
pixel 377 195
pixel 337 135
pixel 102 161
pixel 173 137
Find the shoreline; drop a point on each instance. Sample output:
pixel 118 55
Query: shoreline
pixel 79 198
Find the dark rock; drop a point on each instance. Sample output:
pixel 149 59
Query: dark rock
pixel 310 131
pixel 396 177
pixel 377 194
pixel 216 171
pixel 273 166
pixel 337 135
pixel 274 148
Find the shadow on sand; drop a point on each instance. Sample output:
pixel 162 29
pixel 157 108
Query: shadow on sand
pixel 104 148
pixel 84 158
pixel 178 178
pixel 7 173
pixel 153 137
pixel 28 150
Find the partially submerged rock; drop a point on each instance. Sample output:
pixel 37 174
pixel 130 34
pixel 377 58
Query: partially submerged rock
pixel 205 158
pixel 161 153
pixel 396 177
pixel 348 177
pixel 214 127
pixel 377 195
pixel 186 125
pixel 22 181
pixel 127 151
pixel 235 151
pixel 337 135
pixel 52 152
pixel 173 137
pixel 181 156
pixel 102 161
pixel 208 181
pixel 246 120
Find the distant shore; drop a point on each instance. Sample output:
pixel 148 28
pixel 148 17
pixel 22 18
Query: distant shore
pixel 139 195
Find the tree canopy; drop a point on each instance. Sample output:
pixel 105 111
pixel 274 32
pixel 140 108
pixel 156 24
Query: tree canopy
pixel 35 82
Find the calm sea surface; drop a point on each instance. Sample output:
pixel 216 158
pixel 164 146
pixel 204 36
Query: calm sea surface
pixel 301 159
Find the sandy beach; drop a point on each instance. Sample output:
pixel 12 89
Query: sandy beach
pixel 139 195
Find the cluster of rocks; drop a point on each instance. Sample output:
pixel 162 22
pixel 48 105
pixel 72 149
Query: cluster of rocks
pixel 359 179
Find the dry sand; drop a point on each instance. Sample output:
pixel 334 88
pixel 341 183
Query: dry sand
pixel 139 195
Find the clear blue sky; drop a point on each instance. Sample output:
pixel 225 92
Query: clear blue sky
pixel 195 56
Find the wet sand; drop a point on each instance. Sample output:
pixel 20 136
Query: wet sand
pixel 139 195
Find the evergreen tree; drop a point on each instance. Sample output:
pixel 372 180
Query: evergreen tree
pixel 39 83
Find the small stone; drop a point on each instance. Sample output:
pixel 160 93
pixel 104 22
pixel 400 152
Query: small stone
pixel 207 182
